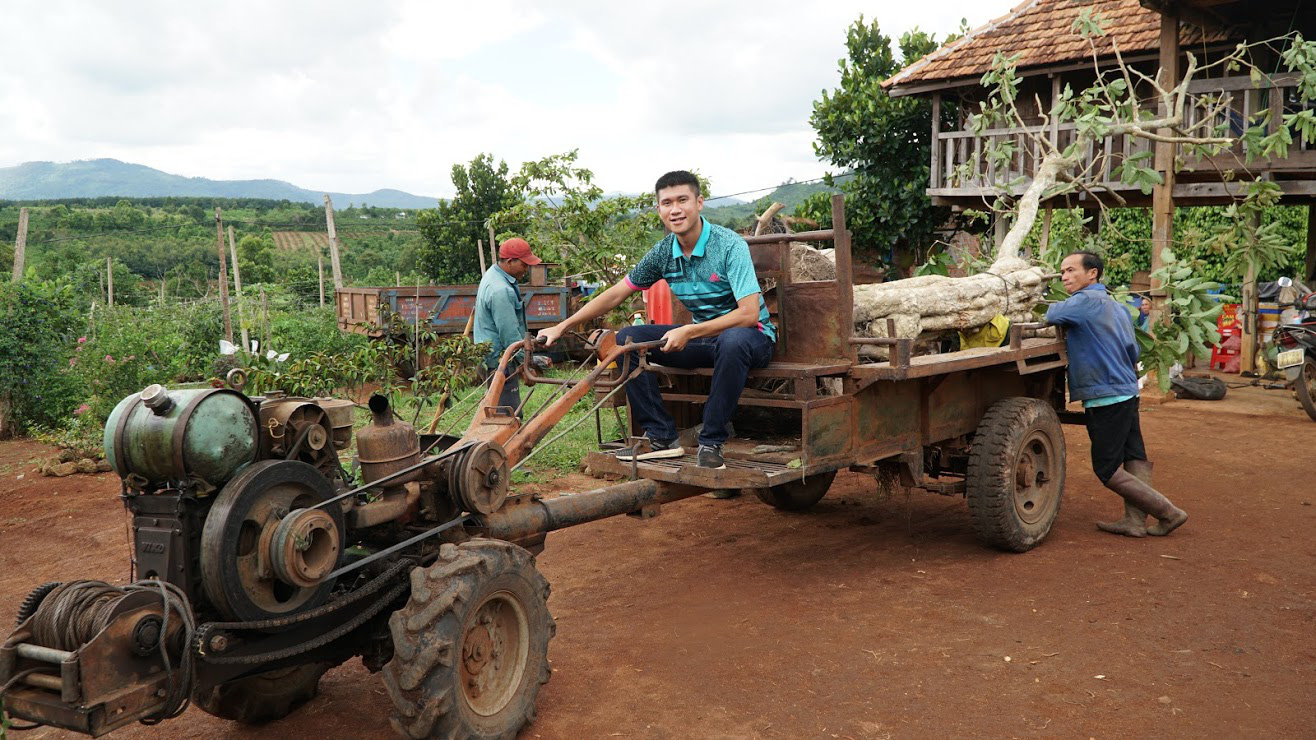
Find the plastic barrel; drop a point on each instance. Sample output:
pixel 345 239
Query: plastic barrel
pixel 1268 317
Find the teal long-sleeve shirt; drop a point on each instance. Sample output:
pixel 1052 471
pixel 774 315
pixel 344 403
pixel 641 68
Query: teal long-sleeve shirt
pixel 499 313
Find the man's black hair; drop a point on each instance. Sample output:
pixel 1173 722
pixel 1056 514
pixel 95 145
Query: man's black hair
pixel 675 178
pixel 1091 261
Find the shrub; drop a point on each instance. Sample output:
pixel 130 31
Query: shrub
pixel 38 324
pixel 132 348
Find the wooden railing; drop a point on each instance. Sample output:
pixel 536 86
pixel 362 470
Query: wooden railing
pixel 960 159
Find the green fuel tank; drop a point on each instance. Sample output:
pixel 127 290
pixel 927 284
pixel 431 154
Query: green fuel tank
pixel 162 435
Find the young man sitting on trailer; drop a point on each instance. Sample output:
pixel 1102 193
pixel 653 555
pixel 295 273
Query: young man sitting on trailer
pixel 709 270
pixel 1103 357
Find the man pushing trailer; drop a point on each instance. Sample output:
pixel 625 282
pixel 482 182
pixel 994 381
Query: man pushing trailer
pixel 1103 357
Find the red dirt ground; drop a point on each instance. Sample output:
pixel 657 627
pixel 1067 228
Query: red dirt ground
pixel 871 617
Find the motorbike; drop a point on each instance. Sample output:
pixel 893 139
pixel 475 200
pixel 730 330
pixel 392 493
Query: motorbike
pixel 1297 350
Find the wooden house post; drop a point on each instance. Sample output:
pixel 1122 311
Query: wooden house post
pixel 1163 194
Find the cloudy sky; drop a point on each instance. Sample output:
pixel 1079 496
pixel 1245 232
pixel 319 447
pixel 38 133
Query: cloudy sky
pixel 355 96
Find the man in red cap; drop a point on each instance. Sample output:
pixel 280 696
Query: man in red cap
pixel 500 310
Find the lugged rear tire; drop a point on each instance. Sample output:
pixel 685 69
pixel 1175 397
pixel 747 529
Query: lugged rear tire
pixel 470 648
pixel 1016 474
pixel 264 697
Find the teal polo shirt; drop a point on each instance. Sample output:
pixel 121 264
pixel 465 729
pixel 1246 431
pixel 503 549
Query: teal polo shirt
pixel 711 281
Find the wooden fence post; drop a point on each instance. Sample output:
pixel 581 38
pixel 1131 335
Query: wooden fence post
pixel 237 287
pixel 265 321
pixel 333 242
pixel 109 281
pixel 223 275
pixel 493 247
pixel 479 244
pixel 20 245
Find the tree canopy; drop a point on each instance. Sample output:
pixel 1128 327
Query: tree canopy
pixel 452 230
pixel 884 141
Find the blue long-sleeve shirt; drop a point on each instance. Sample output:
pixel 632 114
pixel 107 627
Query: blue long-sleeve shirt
pixel 1103 353
pixel 499 313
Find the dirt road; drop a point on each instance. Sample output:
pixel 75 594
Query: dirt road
pixel 869 617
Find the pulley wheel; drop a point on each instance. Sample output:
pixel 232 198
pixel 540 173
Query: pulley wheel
pixel 483 478
pixel 237 541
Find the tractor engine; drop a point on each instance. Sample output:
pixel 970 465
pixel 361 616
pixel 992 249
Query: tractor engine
pixel 252 553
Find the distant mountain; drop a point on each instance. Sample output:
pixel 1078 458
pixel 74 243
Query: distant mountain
pixel 94 178
pixel 789 194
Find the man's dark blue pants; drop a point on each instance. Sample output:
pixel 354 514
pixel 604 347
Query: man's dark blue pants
pixel 731 354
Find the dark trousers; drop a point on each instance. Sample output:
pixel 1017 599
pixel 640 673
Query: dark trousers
pixel 731 354
pixel 1116 436
pixel 511 395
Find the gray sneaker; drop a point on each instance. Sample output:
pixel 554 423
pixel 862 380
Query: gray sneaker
pixel 658 450
pixel 710 456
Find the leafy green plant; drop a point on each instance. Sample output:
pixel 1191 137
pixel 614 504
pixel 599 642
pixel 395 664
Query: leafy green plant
pixel 565 215
pixel 386 364
pixel 1189 322
pixel 38 325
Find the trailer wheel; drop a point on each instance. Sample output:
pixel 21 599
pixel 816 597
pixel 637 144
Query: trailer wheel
pixel 1016 474
pixel 797 495
pixel 470 648
pixel 1305 386
pixel 264 697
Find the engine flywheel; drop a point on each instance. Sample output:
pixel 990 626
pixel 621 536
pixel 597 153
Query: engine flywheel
pixel 246 555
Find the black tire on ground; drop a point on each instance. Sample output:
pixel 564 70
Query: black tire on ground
pixel 264 697
pixel 470 648
pixel 1305 386
pixel 1016 474
pixel 797 495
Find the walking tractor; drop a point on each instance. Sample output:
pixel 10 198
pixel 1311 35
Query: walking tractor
pixel 258 565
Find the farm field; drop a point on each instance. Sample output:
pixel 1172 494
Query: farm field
pixel 869 617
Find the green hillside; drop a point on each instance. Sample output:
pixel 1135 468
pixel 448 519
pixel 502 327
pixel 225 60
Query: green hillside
pixel 97 178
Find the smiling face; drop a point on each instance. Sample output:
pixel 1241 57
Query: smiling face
pixel 679 207
pixel 1074 276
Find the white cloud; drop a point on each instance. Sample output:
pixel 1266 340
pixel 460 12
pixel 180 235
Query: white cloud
pixel 350 96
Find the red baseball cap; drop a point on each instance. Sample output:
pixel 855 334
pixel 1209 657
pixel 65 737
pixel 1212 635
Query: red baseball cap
pixel 516 248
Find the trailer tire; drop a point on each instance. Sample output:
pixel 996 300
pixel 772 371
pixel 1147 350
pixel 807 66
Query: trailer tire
pixel 264 697
pixel 797 495
pixel 451 675
pixel 1016 474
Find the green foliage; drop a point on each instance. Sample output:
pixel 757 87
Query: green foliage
pixel 566 219
pixel 816 207
pixel 452 230
pixel 1189 323
pixel 38 325
pixel 131 348
pixel 1246 242
pixel 309 330
pixel 1124 241
pixel 883 140
pixel 256 258
pixel 447 362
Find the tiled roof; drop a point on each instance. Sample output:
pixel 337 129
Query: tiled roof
pixel 1040 32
